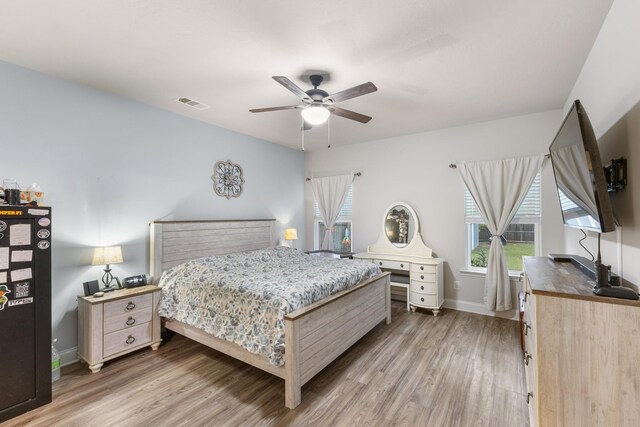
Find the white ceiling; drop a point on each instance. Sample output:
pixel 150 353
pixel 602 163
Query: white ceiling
pixel 436 63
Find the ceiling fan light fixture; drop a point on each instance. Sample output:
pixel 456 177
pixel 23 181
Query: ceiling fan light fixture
pixel 315 114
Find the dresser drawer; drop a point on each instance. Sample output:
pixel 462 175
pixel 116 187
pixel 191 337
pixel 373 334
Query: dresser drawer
pixel 424 287
pixel 125 340
pixel 422 268
pixel 127 305
pixel 393 265
pixel 127 320
pixel 423 277
pixel 424 300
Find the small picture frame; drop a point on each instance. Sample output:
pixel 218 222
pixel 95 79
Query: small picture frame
pixel 91 287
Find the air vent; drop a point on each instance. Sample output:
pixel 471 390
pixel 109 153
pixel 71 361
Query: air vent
pixel 191 103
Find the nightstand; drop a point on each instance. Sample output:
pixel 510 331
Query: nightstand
pixel 117 323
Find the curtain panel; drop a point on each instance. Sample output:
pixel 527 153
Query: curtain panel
pixel 498 188
pixel 330 192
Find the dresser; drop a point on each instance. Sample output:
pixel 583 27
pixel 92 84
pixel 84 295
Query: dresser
pixel 581 350
pixel 118 323
pixel 415 274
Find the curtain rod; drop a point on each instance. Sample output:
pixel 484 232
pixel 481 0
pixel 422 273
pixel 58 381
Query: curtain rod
pixel 454 166
pixel 355 174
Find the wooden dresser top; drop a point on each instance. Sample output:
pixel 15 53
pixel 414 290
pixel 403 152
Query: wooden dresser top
pixel 563 279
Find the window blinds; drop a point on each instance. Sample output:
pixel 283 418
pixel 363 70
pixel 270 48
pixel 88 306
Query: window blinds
pixel 345 212
pixel 529 210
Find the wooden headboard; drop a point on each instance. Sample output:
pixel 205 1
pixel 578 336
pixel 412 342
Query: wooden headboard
pixel 176 242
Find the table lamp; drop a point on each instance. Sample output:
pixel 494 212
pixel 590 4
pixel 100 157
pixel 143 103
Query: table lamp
pixel 290 234
pixel 107 256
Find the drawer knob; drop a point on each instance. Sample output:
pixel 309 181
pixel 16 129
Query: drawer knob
pixel 381 263
pixel 422 267
pixel 527 357
pixel 422 299
pixel 130 339
pixel 422 288
pixel 401 265
pixel 422 276
pixel 526 328
pixel 529 396
pixel 130 306
pixel 131 321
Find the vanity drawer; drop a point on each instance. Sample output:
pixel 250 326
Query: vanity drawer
pixel 424 300
pixel 118 342
pixel 127 305
pixel 423 268
pixel 393 265
pixel 127 320
pixel 424 287
pixel 423 277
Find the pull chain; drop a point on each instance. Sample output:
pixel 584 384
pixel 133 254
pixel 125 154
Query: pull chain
pixel 302 131
pixel 329 132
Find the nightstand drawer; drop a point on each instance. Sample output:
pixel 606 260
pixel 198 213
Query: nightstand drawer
pixel 117 342
pixel 424 300
pixel 424 288
pixel 127 320
pixel 393 265
pixel 423 277
pixel 126 305
pixel 421 268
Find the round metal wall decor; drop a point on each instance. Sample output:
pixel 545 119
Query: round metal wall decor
pixel 227 179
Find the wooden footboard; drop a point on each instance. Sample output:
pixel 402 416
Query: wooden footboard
pixel 316 335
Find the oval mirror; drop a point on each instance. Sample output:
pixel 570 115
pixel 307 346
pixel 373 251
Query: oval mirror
pixel 400 224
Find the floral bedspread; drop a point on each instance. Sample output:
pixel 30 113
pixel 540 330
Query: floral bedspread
pixel 244 297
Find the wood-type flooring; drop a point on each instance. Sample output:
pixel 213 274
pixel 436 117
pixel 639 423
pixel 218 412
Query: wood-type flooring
pixel 457 369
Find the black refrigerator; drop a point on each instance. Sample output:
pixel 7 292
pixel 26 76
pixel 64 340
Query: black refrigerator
pixel 25 309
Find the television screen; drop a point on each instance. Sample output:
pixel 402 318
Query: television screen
pixel 580 179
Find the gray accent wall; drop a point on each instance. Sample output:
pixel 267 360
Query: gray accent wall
pixel 109 166
pixel 609 89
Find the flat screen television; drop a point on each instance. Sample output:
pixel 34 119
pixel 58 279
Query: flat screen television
pixel 580 179
pixel 582 188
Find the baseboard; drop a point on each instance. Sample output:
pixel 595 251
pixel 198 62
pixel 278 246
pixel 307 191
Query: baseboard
pixel 69 356
pixel 474 307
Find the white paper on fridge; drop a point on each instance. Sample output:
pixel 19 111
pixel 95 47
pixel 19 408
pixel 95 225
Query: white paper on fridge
pixel 22 274
pixel 20 235
pixel 3 277
pixel 4 258
pixel 21 256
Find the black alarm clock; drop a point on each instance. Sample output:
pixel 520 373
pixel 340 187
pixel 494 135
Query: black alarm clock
pixel 135 281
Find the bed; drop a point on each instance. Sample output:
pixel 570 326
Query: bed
pixel 314 335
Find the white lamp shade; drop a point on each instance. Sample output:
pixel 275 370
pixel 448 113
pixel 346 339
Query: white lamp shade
pixel 104 256
pixel 290 234
pixel 315 114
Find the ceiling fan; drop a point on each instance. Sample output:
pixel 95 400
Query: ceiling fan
pixel 317 105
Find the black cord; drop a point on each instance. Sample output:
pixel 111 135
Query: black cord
pixel 583 247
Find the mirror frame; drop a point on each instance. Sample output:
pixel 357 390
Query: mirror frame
pixel 416 230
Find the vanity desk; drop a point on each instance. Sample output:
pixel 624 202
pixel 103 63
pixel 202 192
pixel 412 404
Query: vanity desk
pixel 415 274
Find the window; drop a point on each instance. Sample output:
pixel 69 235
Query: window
pixel 341 229
pixel 521 238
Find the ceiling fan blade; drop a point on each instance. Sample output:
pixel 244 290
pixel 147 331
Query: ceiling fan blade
pixel 355 91
pixel 286 107
pixel 348 114
pixel 292 87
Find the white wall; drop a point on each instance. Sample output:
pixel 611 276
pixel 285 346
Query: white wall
pixel 609 88
pixel 415 169
pixel 109 165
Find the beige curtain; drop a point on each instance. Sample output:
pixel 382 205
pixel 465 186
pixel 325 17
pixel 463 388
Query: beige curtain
pixel 330 193
pixel 498 188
